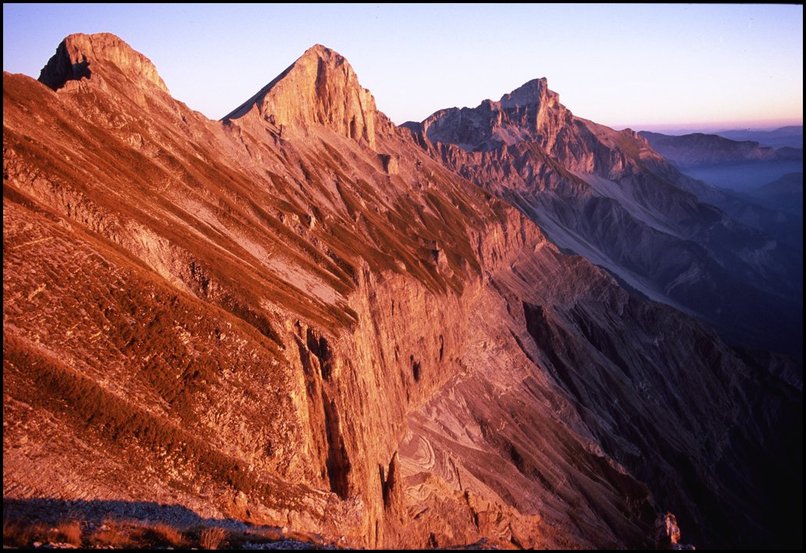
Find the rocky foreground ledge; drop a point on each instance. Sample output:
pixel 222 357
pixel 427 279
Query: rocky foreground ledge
pixel 54 524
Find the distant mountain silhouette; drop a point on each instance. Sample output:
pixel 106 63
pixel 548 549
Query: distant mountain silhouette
pixel 790 136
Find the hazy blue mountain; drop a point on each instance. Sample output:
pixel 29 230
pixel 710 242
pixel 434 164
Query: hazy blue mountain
pixel 784 193
pixel 791 136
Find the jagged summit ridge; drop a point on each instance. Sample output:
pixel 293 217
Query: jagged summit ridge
pixel 529 94
pixel 80 55
pixel 530 112
pixel 319 88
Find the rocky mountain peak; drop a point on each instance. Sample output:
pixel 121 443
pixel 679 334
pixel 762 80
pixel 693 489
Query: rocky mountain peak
pixel 531 112
pixel 320 50
pixel 377 349
pixel 80 55
pixel 529 94
pixel 319 88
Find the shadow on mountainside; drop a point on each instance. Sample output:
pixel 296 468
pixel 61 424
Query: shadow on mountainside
pixel 94 512
pixel 137 524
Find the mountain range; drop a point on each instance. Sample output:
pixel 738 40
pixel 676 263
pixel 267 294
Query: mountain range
pixel 790 136
pixel 504 325
pixel 693 150
pixel 609 196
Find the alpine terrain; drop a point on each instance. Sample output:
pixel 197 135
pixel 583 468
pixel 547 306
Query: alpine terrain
pixel 505 326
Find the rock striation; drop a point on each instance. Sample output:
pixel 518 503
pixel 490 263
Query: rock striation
pixel 287 323
pixel 320 88
pixel 78 55
pixel 609 196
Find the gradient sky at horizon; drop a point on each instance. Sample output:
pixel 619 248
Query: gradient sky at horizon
pixel 656 67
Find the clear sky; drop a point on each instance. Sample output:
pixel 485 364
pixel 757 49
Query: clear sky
pixel 644 66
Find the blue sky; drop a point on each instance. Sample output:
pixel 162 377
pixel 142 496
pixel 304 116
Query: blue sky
pixel 644 66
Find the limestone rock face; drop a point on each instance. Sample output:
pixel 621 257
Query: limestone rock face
pixel 607 195
pixel 666 531
pixel 531 110
pixel 390 163
pixel 79 55
pixel 279 321
pixel 320 88
pixel 533 114
pixel 667 534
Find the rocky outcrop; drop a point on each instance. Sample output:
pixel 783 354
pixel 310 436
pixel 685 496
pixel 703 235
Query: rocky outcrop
pixel 390 163
pixel 320 88
pixel 532 109
pixel 79 55
pixel 533 114
pixel 667 534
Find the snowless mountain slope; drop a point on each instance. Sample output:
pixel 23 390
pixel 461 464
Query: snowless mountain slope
pixel 609 196
pixel 297 317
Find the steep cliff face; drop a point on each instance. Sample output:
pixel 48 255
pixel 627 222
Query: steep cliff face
pixel 79 55
pixel 531 110
pixel 533 114
pixel 278 320
pixel 607 195
pixel 320 88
